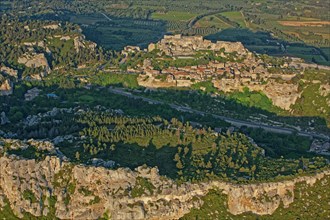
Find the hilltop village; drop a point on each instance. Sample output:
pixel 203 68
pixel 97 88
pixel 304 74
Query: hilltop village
pixel 174 61
pixel 229 66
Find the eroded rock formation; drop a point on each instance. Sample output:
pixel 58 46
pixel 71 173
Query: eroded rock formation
pixel 84 192
pixel 6 87
pixel 35 60
pixel 9 71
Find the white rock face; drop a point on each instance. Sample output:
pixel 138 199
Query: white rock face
pixel 35 60
pixel 283 95
pixel 9 71
pixel 325 89
pixel 51 26
pixel 80 42
pixel 89 192
pixel 6 87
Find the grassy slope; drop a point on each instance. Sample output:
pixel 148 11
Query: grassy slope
pixel 127 80
pixel 235 16
pixel 255 99
pixel 212 21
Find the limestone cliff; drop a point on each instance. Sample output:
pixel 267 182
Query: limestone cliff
pixel 35 60
pixel 9 71
pixel 85 192
pixel 282 95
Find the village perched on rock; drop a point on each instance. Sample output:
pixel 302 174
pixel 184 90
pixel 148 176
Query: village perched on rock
pixel 233 69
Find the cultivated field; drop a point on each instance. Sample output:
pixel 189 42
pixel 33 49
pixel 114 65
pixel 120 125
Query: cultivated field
pixel 173 16
pixel 212 21
pixel 235 16
pixel 305 23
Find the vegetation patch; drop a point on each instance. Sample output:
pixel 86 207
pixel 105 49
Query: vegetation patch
pixel 235 16
pixel 142 185
pixel 206 86
pixel 105 79
pixel 85 191
pixel 29 195
pixel 173 16
pixel 95 200
pixel 254 99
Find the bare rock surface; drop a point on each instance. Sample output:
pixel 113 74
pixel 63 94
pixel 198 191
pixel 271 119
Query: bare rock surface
pixel 35 60
pixel 9 71
pixel 6 87
pixel 85 192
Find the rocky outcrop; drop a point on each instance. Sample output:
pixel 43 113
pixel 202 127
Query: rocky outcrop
pixel 178 45
pixel 35 60
pixel 6 87
pixel 96 191
pixel 283 95
pixel 325 89
pixel 39 44
pixel 80 42
pixel 9 71
pixel 265 198
pixel 84 192
pixel 15 144
pixel 31 94
pixel 51 26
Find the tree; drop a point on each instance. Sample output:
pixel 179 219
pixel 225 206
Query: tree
pixel 179 165
pixel 77 155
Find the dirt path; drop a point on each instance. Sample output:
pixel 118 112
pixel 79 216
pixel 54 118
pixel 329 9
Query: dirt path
pixel 106 16
pixel 304 23
pixel 246 23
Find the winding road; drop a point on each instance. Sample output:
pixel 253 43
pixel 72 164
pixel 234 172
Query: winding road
pixel 232 121
pixel 106 16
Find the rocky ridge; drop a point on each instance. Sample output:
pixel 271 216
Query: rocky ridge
pixel 86 192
